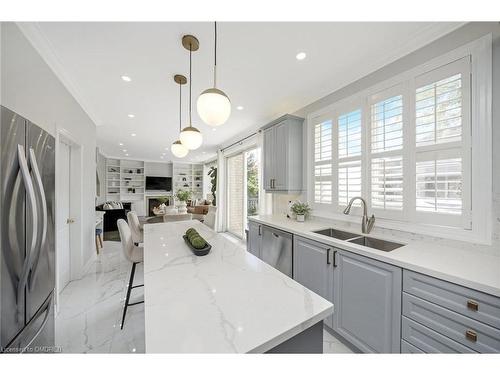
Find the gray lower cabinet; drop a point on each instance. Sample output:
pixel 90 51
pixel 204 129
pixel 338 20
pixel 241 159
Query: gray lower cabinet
pixel 313 268
pixel 367 300
pixel 254 243
pixel 442 317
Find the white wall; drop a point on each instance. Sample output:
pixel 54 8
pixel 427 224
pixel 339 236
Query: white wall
pixel 158 169
pixel 30 88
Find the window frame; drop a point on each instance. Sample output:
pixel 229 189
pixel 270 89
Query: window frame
pixel 480 146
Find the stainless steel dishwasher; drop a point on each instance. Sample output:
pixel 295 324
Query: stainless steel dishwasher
pixel 277 249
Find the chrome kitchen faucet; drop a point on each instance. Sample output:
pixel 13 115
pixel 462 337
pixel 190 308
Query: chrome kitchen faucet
pixel 366 223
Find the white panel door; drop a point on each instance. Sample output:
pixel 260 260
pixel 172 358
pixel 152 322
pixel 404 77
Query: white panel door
pixel 63 214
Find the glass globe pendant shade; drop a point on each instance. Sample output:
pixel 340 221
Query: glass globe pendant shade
pixel 178 149
pixel 214 107
pixel 191 138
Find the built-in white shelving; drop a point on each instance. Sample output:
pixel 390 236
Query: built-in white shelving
pixel 125 180
pixel 188 177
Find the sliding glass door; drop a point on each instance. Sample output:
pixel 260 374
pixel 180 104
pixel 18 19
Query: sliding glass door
pixel 243 187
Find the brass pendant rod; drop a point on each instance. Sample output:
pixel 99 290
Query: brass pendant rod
pixel 190 80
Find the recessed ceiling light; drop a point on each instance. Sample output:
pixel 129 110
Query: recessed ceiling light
pixel 300 56
pixel 214 129
pixel 131 115
pixel 204 152
pixel 121 144
pixel 161 157
pixel 133 134
pixel 126 154
pixel 126 78
pixel 124 150
pixel 164 153
pixel 240 108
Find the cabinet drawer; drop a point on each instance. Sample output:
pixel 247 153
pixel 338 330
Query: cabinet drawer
pixel 425 340
pixel 471 333
pixel 407 348
pixel 476 305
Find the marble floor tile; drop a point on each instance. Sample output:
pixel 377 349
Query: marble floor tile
pixel 90 309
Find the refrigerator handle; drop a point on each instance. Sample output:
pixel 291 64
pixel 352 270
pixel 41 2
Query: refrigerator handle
pixel 31 203
pixel 41 191
pixel 46 309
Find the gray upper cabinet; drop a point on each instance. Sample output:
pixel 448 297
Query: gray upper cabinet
pixel 313 268
pixel 283 139
pixel 254 238
pixel 367 300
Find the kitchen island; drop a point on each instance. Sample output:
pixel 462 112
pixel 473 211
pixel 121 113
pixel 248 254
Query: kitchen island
pixel 228 301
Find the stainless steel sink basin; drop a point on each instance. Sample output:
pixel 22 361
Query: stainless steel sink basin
pixel 335 233
pixel 376 243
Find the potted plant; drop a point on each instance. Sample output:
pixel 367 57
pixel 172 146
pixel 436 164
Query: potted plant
pixel 212 173
pixel 182 196
pixel 300 210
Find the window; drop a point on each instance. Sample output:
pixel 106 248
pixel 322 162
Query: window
pixel 406 146
pixel 386 152
pixel 323 162
pixel 349 156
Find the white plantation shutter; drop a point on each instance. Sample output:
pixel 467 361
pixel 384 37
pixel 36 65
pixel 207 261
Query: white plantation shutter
pixel 349 181
pixel 323 186
pixel 405 147
pixel 442 132
pixel 386 153
pixel 439 111
pixel 387 183
pixel 387 125
pixel 349 157
pixel 439 186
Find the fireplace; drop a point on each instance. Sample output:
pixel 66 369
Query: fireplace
pixel 154 202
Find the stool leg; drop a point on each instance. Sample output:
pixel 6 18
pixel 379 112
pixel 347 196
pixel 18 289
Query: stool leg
pixel 129 289
pixel 100 240
pixel 97 245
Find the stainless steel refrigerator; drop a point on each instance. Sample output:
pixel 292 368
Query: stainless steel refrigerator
pixel 27 269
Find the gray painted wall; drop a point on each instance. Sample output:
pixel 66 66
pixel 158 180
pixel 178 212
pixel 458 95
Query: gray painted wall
pixel 459 37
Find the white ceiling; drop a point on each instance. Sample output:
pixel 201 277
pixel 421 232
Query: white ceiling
pixel 256 68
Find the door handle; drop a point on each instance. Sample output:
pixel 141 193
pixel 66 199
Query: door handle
pixel 328 256
pixel 23 166
pixel 70 221
pixel 260 232
pixel 334 258
pixel 41 192
pixel 275 235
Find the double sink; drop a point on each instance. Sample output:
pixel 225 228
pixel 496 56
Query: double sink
pixel 374 243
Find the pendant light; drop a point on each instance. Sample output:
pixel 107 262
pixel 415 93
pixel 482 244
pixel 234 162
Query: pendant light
pixel 214 107
pixel 177 148
pixel 190 137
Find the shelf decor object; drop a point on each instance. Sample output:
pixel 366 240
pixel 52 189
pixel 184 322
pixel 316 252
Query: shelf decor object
pixel 214 107
pixel 190 137
pixel 177 148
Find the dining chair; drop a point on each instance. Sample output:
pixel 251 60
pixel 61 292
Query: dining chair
pixel 209 220
pixel 135 227
pixel 177 217
pixel 134 254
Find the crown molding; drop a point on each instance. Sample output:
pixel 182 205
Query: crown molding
pixel 43 46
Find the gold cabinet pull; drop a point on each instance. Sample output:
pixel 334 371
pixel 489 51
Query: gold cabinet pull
pixel 472 305
pixel 471 335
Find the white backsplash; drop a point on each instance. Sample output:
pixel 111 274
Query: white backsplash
pixel 280 207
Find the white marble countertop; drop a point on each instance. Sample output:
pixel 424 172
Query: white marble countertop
pixel 228 301
pixel 466 267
